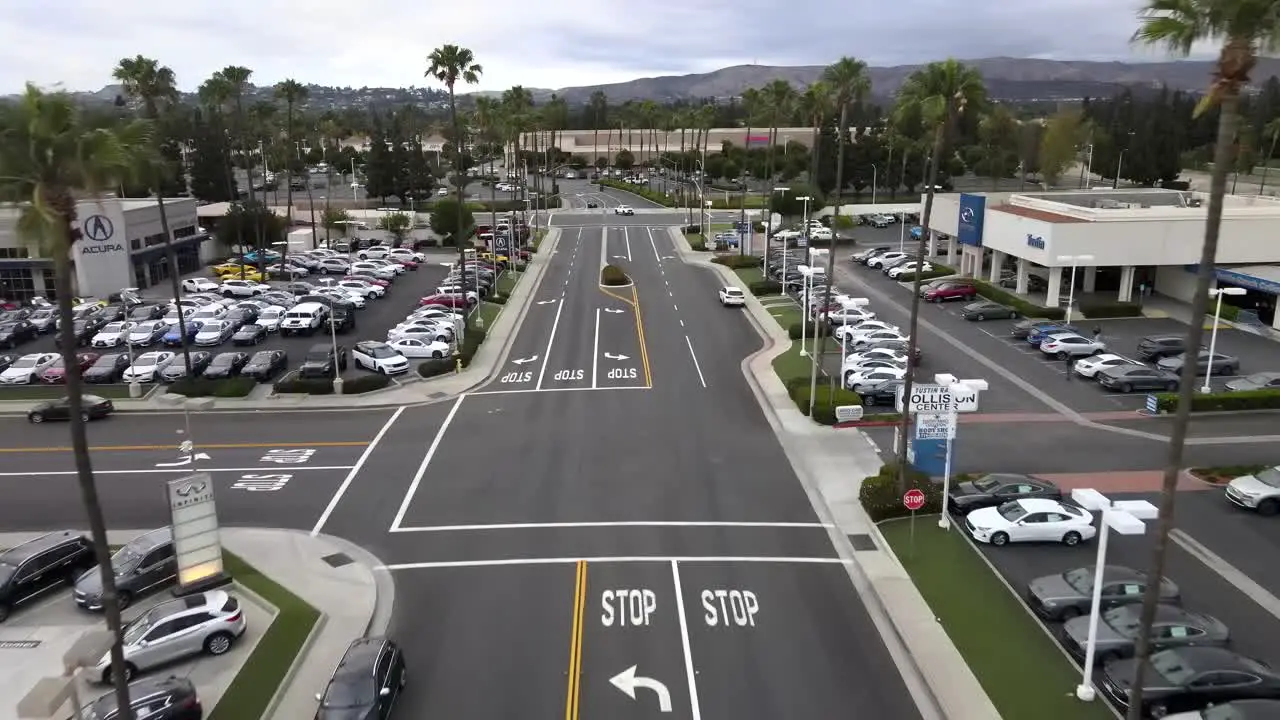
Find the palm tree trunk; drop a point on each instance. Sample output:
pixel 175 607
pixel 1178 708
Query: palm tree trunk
pixel 813 153
pixel 939 137
pixel 311 204
pixel 1267 165
pixel 742 199
pixel 288 202
pixel 172 258
pixel 831 255
pixel 460 232
pixel 80 452
pixel 1228 123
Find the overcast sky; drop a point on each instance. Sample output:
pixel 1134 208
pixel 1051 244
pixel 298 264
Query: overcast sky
pixel 564 43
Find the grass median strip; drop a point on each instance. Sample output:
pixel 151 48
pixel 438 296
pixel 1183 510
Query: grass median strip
pixel 251 691
pixel 1022 670
pixel 50 392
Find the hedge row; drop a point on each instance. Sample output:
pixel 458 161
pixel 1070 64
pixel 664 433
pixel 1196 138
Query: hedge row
pixel 613 275
pixel 696 242
pixel 824 403
pixel 1093 308
pixel 808 329
pixel 1243 400
pixel 640 191
pixel 761 288
pixel 881 494
pixel 1024 308
pixel 738 261
pixel 292 384
pixel 432 368
pixel 205 387
pixel 1230 313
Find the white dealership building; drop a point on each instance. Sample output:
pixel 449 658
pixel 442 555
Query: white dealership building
pixel 1124 243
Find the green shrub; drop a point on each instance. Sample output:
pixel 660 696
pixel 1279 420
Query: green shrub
pixel 640 191
pixel 825 401
pixel 761 288
pixel 738 261
pixel 470 345
pixel 688 230
pixel 1213 402
pixel 881 494
pixel 808 329
pixel 292 384
pixel 844 222
pixel 204 387
pixel 361 384
pixel 1230 313
pixel 933 274
pixel 1109 309
pixel 432 368
pixel 1024 308
pixel 613 275
pixel 697 242
pixel 497 299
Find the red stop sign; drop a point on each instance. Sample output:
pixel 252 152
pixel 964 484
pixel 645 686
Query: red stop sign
pixel 913 499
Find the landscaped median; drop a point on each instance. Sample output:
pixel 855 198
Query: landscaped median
pixel 719 199
pixel 1222 401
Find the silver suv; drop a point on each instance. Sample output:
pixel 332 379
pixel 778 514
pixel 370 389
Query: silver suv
pixel 176 629
pixel 146 563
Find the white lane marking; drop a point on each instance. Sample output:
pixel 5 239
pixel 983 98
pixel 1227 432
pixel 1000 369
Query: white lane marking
pixel 355 470
pixel 546 357
pixel 1237 579
pixel 188 470
pixel 681 322
pixel 559 389
pixel 695 708
pixel 426 460
pixel 626 236
pixel 676 307
pixel 656 256
pixel 696 365
pixel 595 355
pixel 634 559
pixel 614 524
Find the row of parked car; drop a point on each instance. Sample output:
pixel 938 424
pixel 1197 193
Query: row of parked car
pixel 365 684
pixel 376 260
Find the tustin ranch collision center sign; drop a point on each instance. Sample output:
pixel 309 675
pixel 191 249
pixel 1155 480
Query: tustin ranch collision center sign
pixel 931 399
pixel 98 236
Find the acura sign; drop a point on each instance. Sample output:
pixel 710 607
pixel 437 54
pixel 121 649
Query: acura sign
pixel 98 235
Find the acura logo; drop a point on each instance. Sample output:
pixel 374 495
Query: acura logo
pixel 194 488
pixel 966 214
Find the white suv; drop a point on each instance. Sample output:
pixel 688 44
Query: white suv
pixel 242 288
pixel 732 296
pixel 304 318
pixel 623 210
pixel 379 357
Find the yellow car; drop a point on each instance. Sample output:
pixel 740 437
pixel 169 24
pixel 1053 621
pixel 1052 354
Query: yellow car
pixel 229 268
pixel 494 258
pixel 249 274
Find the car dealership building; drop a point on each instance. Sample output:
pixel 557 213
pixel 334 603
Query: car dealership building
pixel 1124 243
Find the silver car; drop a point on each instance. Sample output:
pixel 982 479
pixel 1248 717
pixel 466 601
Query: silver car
pixel 177 629
pixel 145 564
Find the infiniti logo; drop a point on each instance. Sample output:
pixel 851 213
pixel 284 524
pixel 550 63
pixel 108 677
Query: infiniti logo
pixel 191 489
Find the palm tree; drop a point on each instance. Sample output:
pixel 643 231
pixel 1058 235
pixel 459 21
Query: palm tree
pixel 517 103
pixel 598 106
pixel 751 103
pixel 291 92
pixel 50 156
pixel 1272 130
pixel 779 98
pixel 847 79
pixel 488 121
pixel 815 105
pixel 1246 30
pixel 154 86
pixel 214 94
pixel 940 92
pixel 450 64
pixel 234 80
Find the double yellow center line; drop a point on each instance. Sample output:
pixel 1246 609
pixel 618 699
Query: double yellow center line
pixel 575 642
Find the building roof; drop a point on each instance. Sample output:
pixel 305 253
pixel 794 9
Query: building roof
pixel 1034 214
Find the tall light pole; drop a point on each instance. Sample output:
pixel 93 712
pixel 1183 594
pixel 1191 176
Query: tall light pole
pixel 767 226
pixel 1213 334
pixel 1075 260
pixel 875 173
pixel 1115 184
pixel 1126 517
pixel 950 381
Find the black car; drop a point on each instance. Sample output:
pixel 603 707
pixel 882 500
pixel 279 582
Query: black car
pixel 83 331
pixel 243 314
pixel 885 393
pixel 33 568
pixel 1158 347
pixel 250 334
pixel 320 361
pixel 997 489
pixel 170 698
pixel 366 683
pixel 1023 327
pixel 225 365
pixel 592 204
pixel 1127 378
pixel 92 407
pixel 107 369
pixel 177 369
pixel 144 313
pixel 299 287
pixel 13 334
pixel 265 365
pixel 1190 679
pixel 6 361
pixel 342 320
pixel 1116 633
pixel 987 310
pixel 112 313
pixel 1068 595
pixel 143 565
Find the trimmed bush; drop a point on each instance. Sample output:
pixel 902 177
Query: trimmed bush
pixel 497 299
pixel 1104 309
pixel 1214 402
pixel 844 222
pixel 697 242
pixel 808 329
pixel 738 261
pixel 761 288
pixel 1230 313
pixel 471 345
pixel 204 387
pixel 613 275
pixel 292 384
pixel 691 229
pixel 639 191
pixel 933 274
pixel 1024 308
pixel 825 401
pixel 881 494
pixel 433 368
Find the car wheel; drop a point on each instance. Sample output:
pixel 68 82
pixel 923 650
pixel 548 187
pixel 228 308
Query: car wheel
pixel 84 416
pixel 1069 613
pixel 1229 370
pixel 123 599
pixel 4 612
pixel 437 355
pixel 228 293
pixel 1071 539
pixel 979 317
pixel 218 643
pixel 36 417
pixel 1126 388
pixel 382 371
pixel 1062 356
pixel 1268 507
pixel 1000 539
pixel 1158 711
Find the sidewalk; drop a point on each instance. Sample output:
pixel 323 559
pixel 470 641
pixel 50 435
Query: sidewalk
pixel 337 578
pixel 830 464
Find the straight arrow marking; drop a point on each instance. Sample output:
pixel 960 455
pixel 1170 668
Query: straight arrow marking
pixel 545 302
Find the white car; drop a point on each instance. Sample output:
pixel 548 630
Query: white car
pixel 1064 345
pixel 861 380
pixel 1031 520
pixel 24 370
pixel 171 318
pixel 214 332
pixel 421 331
pixel 147 366
pixel 242 288
pixel 872 338
pixel 379 357
pixel 876 354
pixel 362 288
pixel 880 260
pixel 195 285
pixel 852 331
pixel 271 317
pixel 1090 366
pixel 210 312
pixel 472 296
pixel 343 294
pixel 819 232
pixel 623 210
pixel 292 272
pixel 413 347
pixel 849 315
pixel 908 268
pixel 405 254
pixel 114 334
pixel 379 271
pixel 732 296
pixel 377 252
pixel 334 265
pixel 435 313
pixel 145 333
pixel 383 262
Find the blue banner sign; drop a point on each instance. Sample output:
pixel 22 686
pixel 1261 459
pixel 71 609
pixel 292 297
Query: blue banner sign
pixel 1035 241
pixel 1240 279
pixel 973 210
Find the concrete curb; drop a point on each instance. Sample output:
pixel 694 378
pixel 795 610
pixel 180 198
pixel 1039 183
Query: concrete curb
pixel 384 585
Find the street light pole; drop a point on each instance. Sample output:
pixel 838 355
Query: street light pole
pixel 1213 334
pixel 1075 260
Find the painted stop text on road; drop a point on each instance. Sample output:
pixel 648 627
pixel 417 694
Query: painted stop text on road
pixel 627 607
pixel 274 482
pixel 730 608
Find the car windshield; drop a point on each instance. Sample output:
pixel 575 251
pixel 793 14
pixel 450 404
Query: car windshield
pixel 349 691
pixel 41 314
pixel 224 359
pixel 261 358
pixel 214 326
pixel 125 559
pixel 1170 666
pixel 1270 476
pixel 134 631
pixel 1012 511
pixel 1123 621
pixel 270 314
pixel 248 330
pixel 1080 579
pixel 25 362
pixel 144 328
pixel 107 361
pixel 146 360
pixel 986 484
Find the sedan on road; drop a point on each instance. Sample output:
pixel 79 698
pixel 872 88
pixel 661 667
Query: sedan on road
pixel 1259 491
pixel 177 369
pixel 1070 594
pixel 997 489
pixel 265 365
pixel 1127 378
pixel 1089 367
pixel 1031 520
pixel 92 407
pixel 225 365
pixel 623 210
pixel 987 310
pixel 148 366
pixel 1219 363
pixel 1118 629
pixel 366 683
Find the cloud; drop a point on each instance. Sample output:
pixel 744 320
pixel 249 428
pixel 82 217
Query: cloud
pixel 76 43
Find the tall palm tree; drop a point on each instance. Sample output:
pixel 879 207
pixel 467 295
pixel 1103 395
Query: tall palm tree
pixel 488 121
pixel 235 81
pixel 751 103
pixel 598 107
pixel 517 103
pixel 941 92
pixel 779 98
pixel 292 93
pixel 155 88
pixel 1245 29
pixel 50 156
pixel 847 79
pixel 449 64
pixel 815 106
pixel 214 95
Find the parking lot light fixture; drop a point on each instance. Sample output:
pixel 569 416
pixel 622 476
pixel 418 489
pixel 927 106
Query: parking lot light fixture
pixel 1213 334
pixel 1127 517
pixel 973 385
pixel 1075 261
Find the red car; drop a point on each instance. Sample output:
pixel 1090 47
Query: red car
pixel 449 301
pixel 369 279
pixel 56 374
pixel 409 264
pixel 949 290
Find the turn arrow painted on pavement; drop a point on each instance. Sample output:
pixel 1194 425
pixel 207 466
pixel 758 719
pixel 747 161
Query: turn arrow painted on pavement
pixel 186 460
pixel 522 361
pixel 611 356
pixel 545 302
pixel 627 681
pixel 613 310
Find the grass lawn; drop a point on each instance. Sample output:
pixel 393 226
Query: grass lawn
pixel 1022 670
pixel 749 275
pixel 506 282
pixel 537 238
pixel 697 241
pixel 49 392
pixel 252 689
pixel 720 227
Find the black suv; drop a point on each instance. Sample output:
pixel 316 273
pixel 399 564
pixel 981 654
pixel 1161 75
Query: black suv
pixel 1158 347
pixel 171 698
pixel 366 683
pixel 38 566
pixel 342 319
pixel 319 362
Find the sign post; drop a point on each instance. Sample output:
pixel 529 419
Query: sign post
pixel 913 500
pixel 197 545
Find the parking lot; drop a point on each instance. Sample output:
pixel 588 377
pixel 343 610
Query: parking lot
pixel 372 323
